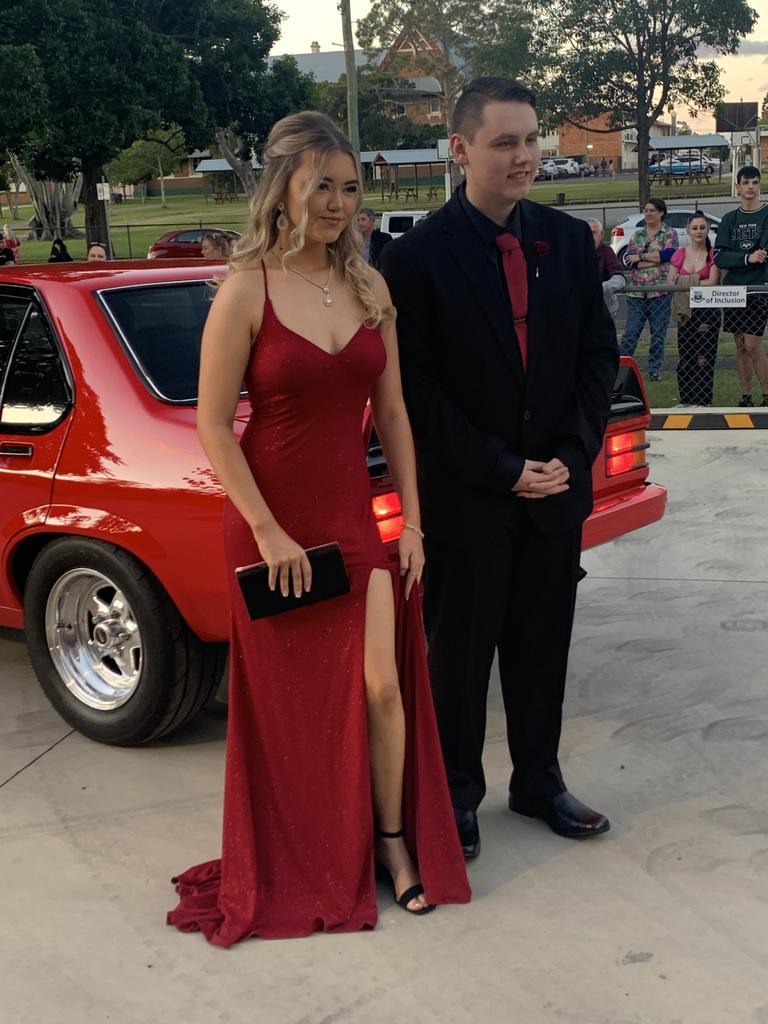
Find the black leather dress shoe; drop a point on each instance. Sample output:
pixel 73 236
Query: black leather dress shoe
pixel 469 833
pixel 564 814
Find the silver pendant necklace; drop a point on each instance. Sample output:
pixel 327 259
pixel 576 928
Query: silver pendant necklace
pixel 324 288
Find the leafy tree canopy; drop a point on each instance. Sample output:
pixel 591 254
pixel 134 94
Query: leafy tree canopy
pixel 471 37
pixel 634 60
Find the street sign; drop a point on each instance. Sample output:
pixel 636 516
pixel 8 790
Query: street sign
pixel 719 295
pixel 103 193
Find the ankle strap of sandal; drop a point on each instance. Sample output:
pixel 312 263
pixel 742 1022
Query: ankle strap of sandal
pixel 390 835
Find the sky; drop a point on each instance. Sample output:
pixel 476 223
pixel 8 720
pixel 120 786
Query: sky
pixel 745 76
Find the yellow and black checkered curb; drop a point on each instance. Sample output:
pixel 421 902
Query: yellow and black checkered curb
pixel 753 420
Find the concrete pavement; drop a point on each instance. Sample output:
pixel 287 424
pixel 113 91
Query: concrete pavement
pixel 662 921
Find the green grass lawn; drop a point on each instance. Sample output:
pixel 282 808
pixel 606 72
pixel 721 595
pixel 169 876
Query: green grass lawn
pixel 665 395
pixel 135 225
pixel 615 190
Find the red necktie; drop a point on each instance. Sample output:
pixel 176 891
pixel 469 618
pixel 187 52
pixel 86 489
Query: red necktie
pixel 516 275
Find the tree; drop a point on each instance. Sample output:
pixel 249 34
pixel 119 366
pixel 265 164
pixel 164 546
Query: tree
pixel 764 110
pixel 226 45
pixel 379 127
pixel 155 156
pixel 634 60
pixel 468 37
pixel 120 81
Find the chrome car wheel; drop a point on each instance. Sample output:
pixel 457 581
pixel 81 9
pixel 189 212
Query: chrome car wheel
pixel 93 639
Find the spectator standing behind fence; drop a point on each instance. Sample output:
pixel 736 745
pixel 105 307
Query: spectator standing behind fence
pixel 10 242
pixel 741 249
pixel 97 253
pixel 652 245
pixel 373 239
pixel 698 330
pixel 608 267
pixel 59 252
pixel 215 246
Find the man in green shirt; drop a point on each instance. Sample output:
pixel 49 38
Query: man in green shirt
pixel 741 249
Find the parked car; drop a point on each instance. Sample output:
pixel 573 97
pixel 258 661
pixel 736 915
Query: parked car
pixel 566 166
pixel 397 222
pixel 111 548
pixel 681 166
pixel 547 169
pixel 184 244
pixel 623 233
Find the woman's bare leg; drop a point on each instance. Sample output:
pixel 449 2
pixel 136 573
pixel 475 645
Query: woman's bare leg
pixel 386 729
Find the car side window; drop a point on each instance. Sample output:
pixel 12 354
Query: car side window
pixel 192 237
pixel 11 315
pixel 399 225
pixel 36 394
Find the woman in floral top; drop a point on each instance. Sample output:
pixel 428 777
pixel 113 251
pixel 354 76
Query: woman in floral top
pixel 651 247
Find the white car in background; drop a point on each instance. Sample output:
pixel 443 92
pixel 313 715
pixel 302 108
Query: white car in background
pixel 547 170
pixel 623 233
pixel 566 166
pixel 397 222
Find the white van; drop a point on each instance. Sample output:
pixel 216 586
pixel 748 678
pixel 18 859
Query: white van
pixel 397 222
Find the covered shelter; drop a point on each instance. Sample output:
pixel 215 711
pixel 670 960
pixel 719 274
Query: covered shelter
pixel 669 145
pixel 392 165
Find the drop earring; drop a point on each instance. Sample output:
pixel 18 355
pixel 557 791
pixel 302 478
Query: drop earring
pixel 282 222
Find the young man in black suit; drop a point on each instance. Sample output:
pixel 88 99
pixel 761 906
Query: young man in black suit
pixel 508 358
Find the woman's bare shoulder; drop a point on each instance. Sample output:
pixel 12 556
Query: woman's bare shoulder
pixel 241 296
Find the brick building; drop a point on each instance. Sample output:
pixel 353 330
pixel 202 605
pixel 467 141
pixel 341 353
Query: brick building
pixel 421 97
pixel 589 142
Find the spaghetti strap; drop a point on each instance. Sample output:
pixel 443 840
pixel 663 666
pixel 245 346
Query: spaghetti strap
pixel 266 286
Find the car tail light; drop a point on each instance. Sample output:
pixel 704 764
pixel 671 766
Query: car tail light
pixel 625 452
pixel 617 233
pixel 388 515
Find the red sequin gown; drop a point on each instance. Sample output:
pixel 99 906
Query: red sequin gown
pixel 297 846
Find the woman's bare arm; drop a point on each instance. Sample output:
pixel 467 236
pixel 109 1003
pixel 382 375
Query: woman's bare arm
pixel 233 323
pixel 391 419
pixel 394 431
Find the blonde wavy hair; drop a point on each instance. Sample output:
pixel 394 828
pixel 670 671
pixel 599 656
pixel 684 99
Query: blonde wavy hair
pixel 288 141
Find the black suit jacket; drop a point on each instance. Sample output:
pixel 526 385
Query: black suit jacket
pixel 378 240
pixel 475 413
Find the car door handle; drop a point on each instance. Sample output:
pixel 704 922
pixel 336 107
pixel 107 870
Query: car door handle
pixel 25 450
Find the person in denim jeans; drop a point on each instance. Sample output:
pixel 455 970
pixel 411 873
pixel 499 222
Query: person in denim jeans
pixel 651 247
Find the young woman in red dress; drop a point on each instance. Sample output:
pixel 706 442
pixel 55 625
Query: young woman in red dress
pixel 333 758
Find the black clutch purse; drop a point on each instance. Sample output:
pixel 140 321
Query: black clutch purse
pixel 329 579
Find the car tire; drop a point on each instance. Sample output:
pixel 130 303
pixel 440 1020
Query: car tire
pixel 109 648
pixel 621 254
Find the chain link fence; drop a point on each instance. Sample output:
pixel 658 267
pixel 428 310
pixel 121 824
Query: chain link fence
pixel 695 356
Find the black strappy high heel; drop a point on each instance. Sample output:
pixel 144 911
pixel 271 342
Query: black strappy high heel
pixel 410 894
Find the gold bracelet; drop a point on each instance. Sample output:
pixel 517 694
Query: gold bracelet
pixel 410 526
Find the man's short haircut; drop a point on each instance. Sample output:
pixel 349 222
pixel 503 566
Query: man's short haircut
pixel 748 173
pixel 369 213
pixel 469 111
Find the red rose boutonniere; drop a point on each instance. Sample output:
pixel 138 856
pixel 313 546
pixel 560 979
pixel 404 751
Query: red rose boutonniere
pixel 541 248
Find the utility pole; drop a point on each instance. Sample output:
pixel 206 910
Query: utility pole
pixel 349 61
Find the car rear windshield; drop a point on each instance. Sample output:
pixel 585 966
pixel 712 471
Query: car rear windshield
pixel 161 327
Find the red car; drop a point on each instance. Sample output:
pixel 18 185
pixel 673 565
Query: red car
pixel 184 244
pixel 111 554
